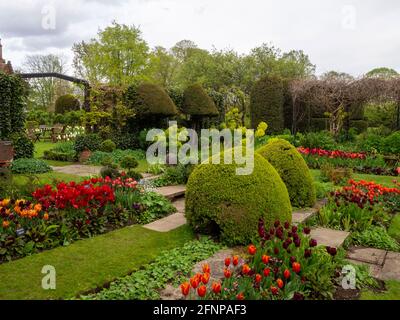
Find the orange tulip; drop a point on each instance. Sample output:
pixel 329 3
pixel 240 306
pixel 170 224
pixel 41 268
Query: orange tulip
pixel 205 278
pixel 6 224
pixel 46 216
pixel 280 283
pixel 194 282
pixel 235 260
pixel 258 278
pixel 240 296
pixel 206 268
pixel 265 259
pixel 296 267
pixel 185 288
pixel 227 273
pixel 246 269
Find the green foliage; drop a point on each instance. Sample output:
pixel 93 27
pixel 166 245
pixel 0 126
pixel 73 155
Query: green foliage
pixel 170 266
pixel 117 155
pixel 322 140
pixel 174 175
pixel 149 100
pixel 129 163
pixel 12 105
pixel 337 176
pixel 23 146
pixel 391 144
pixel 196 102
pixel 153 206
pixel 218 201
pixel 89 142
pixel 30 166
pixel 267 99
pixel 137 176
pixel 125 141
pixel 391 293
pixel 67 103
pixel 110 172
pixel 375 237
pixel 108 146
pixel 293 170
pixel 394 229
pixel 63 151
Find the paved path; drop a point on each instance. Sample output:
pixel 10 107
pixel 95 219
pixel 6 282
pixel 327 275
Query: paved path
pixel 384 265
pixel 79 170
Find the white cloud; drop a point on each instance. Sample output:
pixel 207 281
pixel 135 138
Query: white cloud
pixel 346 35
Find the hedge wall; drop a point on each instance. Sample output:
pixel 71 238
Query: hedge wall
pixel 67 103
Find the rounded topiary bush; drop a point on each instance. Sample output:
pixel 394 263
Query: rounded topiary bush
pixel 196 102
pixel 67 103
pixel 293 170
pixel 108 146
pixel 220 202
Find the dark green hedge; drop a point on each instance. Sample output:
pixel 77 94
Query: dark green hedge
pixel 12 105
pixel 67 103
pixel 149 99
pixel 267 100
pixel 196 102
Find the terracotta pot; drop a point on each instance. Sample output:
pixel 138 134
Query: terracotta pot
pixel 84 156
pixel 6 153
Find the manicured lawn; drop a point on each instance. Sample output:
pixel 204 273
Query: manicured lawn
pixel 87 264
pixel 394 229
pixel 45 178
pixel 393 292
pixel 384 180
pixel 41 147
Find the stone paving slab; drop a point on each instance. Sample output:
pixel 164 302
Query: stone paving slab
pixel 391 268
pixel 79 170
pixel 179 205
pixel 367 255
pixel 329 237
pixel 168 223
pixel 172 192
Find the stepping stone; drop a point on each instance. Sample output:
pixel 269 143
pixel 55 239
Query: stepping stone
pixel 167 224
pixel 375 270
pixel 391 268
pixel 367 255
pixel 179 205
pixel 172 192
pixel 329 237
pixel 79 170
pixel 302 215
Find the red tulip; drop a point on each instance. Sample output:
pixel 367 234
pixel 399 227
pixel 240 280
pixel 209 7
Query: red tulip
pixel 258 278
pixel 206 268
pixel 274 290
pixel 227 273
pixel 205 278
pixel 240 296
pixel 185 288
pixel 252 250
pixel 246 269
pixel 227 262
pixel 201 291
pixel 296 267
pixel 265 259
pixel 280 283
pixel 235 260
pixel 267 271
pixel 286 274
pixel 194 282
pixel 216 287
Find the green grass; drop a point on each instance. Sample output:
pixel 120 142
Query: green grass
pixel 394 229
pixel 87 264
pixel 41 147
pixel 45 178
pixel 392 293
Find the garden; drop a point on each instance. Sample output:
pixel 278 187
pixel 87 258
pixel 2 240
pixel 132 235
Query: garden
pixel 318 218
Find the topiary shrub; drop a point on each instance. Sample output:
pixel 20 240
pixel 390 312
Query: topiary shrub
pixel 266 103
pixel 67 103
pixel 391 144
pixel 108 146
pixel 129 163
pixel 293 170
pixel 220 202
pixel 23 147
pixel 198 104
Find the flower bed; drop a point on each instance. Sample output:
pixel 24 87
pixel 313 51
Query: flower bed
pixel 360 162
pixel 286 265
pixel 72 211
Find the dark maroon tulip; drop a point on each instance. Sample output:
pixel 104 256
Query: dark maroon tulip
pixel 276 251
pixel 277 223
pixel 297 243
pixel 287 225
pixel 292 260
pixel 298 296
pixel 294 229
pixel 307 230
pixel 307 253
pixel 313 243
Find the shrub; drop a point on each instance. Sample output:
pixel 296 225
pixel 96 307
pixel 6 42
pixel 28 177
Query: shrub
pixel 67 103
pixel 370 142
pixel 197 103
pixel 220 201
pixel 267 100
pixel 391 143
pixel 293 170
pixel 149 99
pixel 129 163
pixel 108 146
pixel 125 141
pixel 97 157
pixel 375 237
pixel 336 175
pixel 30 166
pixel 23 147
pixel 109 172
pixel 321 140
pixel 174 175
pixel 63 151
pixel 135 175
pixel 89 142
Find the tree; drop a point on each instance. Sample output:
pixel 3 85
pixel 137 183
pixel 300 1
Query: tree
pixel 382 73
pixel 164 67
pixel 118 56
pixel 44 91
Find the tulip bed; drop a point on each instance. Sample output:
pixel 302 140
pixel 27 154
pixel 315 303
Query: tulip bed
pixel 72 211
pixel 359 162
pixel 285 265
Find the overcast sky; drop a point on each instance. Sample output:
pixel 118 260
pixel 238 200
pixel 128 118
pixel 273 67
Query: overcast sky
pixel 351 36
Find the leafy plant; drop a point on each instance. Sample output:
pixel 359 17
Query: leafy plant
pixel 375 237
pixel 89 142
pixel 30 166
pixel 108 146
pixel 23 147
